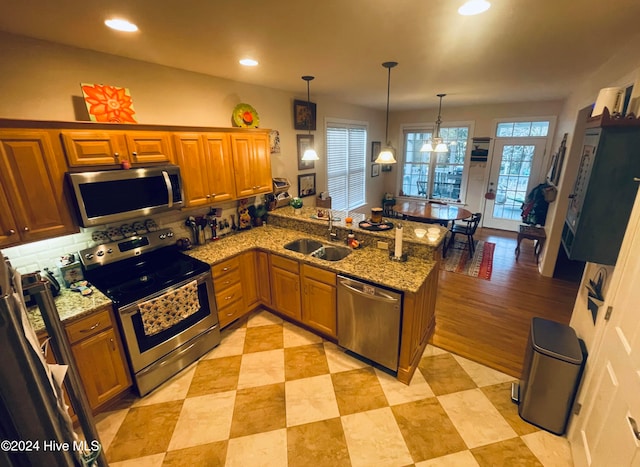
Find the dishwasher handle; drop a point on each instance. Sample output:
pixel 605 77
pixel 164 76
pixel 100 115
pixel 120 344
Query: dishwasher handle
pixel 380 296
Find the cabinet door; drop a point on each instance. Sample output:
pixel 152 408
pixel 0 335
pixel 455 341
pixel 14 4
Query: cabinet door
pixel 191 157
pixel 101 366
pixel 263 181
pixel 87 148
pixel 262 277
pixel 32 178
pixel 8 225
pixel 319 306
pixel 249 274
pixel 145 147
pixel 219 167
pixel 252 163
pixel 285 286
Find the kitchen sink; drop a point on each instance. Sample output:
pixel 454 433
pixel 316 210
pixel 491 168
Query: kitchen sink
pixel 303 245
pixel 331 253
pixel 318 249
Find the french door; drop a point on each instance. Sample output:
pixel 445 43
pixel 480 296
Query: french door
pixel 515 163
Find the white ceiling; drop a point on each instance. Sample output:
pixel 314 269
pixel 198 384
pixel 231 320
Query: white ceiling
pixel 518 51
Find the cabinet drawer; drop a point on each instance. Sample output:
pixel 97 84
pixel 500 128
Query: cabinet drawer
pixel 219 270
pixel 86 327
pixel 285 263
pixel 227 280
pixel 321 275
pixel 231 312
pixel 229 295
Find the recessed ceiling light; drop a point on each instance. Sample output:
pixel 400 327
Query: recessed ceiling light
pixel 121 25
pixel 474 7
pixel 248 62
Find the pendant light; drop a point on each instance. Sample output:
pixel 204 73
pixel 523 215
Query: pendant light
pixel 310 154
pixel 439 144
pixel 386 156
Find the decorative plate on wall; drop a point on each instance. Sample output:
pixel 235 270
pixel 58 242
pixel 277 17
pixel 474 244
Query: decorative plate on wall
pixel 245 116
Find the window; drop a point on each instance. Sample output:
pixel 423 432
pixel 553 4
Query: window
pixel 346 164
pixel 522 129
pixel 434 175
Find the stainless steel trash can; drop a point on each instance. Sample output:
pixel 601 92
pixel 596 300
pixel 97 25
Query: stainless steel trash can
pixel 552 369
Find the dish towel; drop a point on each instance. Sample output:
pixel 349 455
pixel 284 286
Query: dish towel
pixel 160 313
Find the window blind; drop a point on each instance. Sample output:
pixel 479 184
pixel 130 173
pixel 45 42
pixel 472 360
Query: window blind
pixel 346 165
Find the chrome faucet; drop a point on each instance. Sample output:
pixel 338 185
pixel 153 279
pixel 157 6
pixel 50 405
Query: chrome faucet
pixel 333 235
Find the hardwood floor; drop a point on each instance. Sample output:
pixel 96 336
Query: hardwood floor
pixel 489 321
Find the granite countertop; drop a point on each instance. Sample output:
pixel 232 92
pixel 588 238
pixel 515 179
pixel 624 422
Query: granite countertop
pixel 71 307
pixel 368 263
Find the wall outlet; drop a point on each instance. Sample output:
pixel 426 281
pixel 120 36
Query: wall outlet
pixel 383 245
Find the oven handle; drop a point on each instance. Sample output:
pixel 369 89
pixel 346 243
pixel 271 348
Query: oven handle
pixel 167 182
pixel 132 308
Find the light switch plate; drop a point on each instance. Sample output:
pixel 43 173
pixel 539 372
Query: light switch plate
pixel 383 245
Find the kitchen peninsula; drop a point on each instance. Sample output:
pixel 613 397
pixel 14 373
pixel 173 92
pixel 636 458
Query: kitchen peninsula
pixel 253 268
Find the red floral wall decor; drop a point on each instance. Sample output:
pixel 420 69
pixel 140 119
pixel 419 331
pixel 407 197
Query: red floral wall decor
pixel 109 104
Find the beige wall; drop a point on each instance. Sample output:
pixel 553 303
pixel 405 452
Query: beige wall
pixel 44 84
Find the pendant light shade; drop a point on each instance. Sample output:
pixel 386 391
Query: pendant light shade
pixel 436 144
pixel 387 154
pixel 310 154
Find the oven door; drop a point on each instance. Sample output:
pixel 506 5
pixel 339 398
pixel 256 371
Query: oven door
pixel 143 349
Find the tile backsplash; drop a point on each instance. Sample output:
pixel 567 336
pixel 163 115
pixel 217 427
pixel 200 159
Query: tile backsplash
pixel 36 256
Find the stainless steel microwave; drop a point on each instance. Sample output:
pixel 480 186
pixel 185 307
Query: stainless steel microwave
pixel 107 196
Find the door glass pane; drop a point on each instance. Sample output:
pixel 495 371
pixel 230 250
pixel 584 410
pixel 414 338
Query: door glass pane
pixel 513 179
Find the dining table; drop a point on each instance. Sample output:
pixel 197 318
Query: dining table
pixel 431 212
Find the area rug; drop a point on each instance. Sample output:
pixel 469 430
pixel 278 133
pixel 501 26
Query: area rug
pixel 481 265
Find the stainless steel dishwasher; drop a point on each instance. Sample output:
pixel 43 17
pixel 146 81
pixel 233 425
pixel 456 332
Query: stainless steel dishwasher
pixel 369 321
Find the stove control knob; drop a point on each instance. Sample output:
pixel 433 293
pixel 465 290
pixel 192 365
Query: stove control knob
pixel 89 256
pixel 100 253
pixel 110 250
pixel 169 234
pixel 163 236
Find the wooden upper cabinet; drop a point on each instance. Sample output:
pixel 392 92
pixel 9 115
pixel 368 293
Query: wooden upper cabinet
pixel 107 148
pixel 252 163
pixel 219 167
pixel 32 202
pixel 148 147
pixel 191 158
pixel 206 167
pixel 88 148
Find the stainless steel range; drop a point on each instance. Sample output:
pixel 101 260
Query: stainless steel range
pixel 163 299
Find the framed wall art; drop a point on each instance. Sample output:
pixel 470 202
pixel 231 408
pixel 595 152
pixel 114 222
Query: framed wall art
pixel 306 185
pixel 375 170
pixel 304 142
pixel 304 115
pixel 375 150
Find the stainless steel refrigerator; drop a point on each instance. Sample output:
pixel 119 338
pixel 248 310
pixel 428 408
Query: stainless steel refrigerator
pixel 35 428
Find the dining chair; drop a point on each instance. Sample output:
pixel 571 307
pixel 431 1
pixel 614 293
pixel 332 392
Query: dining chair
pixel 422 188
pixel 468 229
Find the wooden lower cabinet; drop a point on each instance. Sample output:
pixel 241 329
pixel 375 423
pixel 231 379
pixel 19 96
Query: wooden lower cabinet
pixel 418 325
pixel 229 290
pixel 285 286
pixel 263 280
pixel 100 358
pixel 249 276
pixel 319 299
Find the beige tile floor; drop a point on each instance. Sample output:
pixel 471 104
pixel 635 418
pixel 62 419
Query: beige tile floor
pixel 272 394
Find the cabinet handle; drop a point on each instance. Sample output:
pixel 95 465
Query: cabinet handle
pixel 208 196
pixel 113 344
pixel 634 427
pixel 134 154
pixel 12 232
pixel 91 328
pixel 230 314
pixel 228 297
pixel 26 229
pixel 225 269
pixel 116 155
pixel 213 195
pixel 227 282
